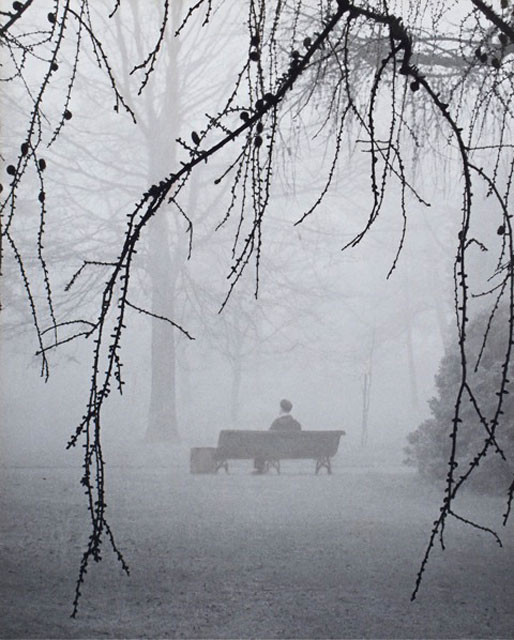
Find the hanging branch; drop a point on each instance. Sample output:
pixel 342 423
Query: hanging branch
pixel 329 64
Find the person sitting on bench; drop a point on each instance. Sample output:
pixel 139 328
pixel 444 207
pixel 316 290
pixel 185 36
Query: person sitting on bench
pixel 284 423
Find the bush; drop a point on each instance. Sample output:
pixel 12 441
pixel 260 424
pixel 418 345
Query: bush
pixel 429 446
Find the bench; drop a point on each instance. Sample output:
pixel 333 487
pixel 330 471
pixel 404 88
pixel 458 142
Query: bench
pixel 274 446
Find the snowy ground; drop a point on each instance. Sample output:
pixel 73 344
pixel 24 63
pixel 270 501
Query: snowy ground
pixel 243 556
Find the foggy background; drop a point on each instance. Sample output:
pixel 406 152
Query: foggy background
pixel 218 555
pixel 323 318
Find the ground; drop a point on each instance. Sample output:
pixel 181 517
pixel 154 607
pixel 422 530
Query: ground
pixel 244 556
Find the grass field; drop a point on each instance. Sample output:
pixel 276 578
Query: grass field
pixel 243 556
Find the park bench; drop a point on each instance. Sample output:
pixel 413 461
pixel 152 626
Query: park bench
pixel 274 446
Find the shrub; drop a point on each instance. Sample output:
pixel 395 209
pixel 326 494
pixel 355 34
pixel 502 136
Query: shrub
pixel 429 446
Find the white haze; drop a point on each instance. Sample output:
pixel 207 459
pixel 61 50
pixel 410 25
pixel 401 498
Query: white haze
pixel 319 315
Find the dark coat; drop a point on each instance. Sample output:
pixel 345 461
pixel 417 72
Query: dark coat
pixel 285 423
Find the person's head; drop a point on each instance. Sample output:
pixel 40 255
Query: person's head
pixel 285 406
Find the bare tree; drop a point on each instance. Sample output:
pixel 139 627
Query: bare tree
pixel 397 80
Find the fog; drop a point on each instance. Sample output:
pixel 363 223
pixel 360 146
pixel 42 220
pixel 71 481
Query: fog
pixel 231 555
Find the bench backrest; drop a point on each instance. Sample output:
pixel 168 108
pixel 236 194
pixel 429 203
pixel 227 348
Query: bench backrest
pixel 239 444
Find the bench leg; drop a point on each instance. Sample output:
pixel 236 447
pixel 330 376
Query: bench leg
pixel 273 464
pixel 222 464
pixel 323 462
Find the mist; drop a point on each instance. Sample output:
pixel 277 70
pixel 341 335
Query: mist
pixel 353 336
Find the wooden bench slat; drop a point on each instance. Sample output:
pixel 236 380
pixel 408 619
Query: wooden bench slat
pixel 276 445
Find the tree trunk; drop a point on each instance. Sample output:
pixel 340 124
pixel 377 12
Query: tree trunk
pixel 162 415
pixel 235 392
pixel 366 390
pixel 413 382
pixel 163 262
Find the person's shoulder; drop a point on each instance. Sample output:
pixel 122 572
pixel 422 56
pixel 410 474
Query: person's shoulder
pixel 285 423
pixel 296 424
pixel 281 423
pixel 275 424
